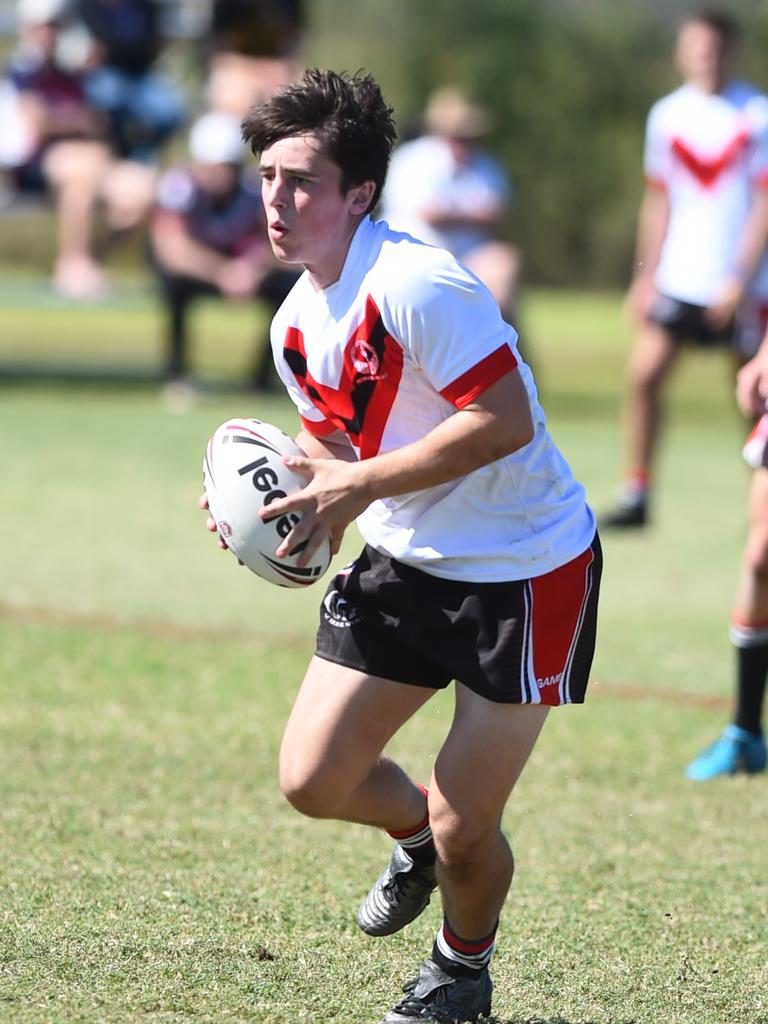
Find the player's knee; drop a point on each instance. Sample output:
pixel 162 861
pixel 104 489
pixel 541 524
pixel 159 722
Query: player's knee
pixel 309 790
pixel 756 554
pixel 461 839
pixel 645 376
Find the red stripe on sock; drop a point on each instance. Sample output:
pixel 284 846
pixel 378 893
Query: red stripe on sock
pixel 416 828
pixel 471 947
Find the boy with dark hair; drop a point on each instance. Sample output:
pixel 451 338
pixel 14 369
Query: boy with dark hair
pixel 481 562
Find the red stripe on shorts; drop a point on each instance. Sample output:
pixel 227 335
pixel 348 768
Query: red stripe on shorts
pixel 558 600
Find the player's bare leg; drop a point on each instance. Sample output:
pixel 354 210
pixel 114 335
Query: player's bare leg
pixel 488 742
pixel 653 357
pixel 741 747
pixel 330 761
pixel 331 766
pixel 476 770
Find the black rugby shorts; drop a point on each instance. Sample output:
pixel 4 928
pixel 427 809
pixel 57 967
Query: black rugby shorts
pixel 522 642
pixel 687 322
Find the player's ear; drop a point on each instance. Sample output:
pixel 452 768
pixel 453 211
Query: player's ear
pixel 361 196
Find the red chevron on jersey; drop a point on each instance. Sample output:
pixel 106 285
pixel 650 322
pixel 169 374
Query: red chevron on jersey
pixel 370 377
pixel 708 171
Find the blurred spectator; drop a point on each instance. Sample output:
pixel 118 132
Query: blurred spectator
pixel 59 143
pixel 253 50
pixel 142 107
pixel 208 237
pixel 443 189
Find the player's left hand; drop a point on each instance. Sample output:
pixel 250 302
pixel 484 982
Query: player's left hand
pixel 752 386
pixel 335 495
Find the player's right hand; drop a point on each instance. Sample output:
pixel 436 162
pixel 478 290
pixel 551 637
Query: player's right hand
pixel 210 522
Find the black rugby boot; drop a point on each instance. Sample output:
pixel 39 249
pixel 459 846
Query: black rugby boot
pixel 438 998
pixel 400 894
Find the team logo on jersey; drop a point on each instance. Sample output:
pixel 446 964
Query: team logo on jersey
pixel 338 612
pixel 364 358
pixel 370 375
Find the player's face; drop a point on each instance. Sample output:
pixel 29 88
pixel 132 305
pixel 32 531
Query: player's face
pixel 309 220
pixel 701 54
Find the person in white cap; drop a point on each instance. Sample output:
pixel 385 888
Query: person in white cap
pixel 208 237
pixel 443 189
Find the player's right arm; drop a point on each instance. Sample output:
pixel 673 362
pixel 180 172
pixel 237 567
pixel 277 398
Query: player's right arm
pixel 652 225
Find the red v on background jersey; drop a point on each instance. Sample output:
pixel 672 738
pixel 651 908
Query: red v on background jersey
pixel 402 340
pixel 709 152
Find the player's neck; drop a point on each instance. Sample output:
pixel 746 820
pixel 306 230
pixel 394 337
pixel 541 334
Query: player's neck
pixel 709 84
pixel 327 270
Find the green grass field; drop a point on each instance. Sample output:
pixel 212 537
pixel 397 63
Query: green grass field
pixel 149 869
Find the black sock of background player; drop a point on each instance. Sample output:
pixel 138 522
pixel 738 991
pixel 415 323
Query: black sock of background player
pixel 752 671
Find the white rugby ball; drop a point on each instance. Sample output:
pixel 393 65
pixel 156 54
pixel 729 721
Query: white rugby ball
pixel 243 471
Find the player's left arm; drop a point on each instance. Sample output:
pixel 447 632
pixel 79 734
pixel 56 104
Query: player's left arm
pixel 332 446
pixel 752 245
pixel 495 424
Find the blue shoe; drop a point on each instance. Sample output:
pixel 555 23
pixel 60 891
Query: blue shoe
pixel 736 750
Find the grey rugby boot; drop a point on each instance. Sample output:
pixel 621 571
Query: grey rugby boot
pixel 441 999
pixel 400 894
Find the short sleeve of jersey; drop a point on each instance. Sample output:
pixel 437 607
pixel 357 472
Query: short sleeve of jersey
pixel 451 327
pixel 657 154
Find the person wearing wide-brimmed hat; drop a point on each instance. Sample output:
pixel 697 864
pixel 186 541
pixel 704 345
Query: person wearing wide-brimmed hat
pixel 444 189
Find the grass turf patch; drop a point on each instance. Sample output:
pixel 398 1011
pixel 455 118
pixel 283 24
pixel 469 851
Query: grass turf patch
pixel 150 870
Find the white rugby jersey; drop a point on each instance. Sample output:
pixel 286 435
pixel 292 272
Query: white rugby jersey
pixel 709 152
pixel 402 340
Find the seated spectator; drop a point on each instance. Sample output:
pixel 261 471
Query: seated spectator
pixel 142 109
pixel 208 237
pixel 443 189
pixel 60 145
pixel 253 46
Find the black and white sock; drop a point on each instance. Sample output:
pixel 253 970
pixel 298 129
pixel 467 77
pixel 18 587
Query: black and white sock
pixel 417 841
pixel 462 958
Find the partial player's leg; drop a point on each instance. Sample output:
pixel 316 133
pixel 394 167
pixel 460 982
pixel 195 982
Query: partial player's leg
pixel 654 355
pixel 535 643
pixel 741 747
pixel 331 764
pixel 478 765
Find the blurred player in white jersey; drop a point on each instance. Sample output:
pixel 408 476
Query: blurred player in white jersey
pixel 702 231
pixel 481 565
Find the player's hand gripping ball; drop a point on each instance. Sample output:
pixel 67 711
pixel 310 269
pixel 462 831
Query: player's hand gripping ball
pixel 243 472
